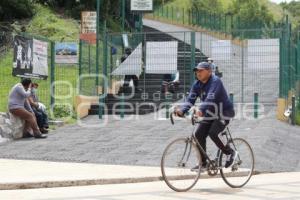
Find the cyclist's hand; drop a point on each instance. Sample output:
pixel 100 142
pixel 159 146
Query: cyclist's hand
pixel 178 112
pixel 199 114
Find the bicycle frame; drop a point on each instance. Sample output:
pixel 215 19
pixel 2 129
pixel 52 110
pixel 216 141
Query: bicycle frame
pixel 228 136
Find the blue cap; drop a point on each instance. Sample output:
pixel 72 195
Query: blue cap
pixel 202 65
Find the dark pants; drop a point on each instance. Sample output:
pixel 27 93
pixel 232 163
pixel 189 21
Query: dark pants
pixel 41 118
pixel 128 78
pixel 213 129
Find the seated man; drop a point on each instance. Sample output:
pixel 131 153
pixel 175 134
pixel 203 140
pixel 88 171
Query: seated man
pixel 19 106
pixel 39 109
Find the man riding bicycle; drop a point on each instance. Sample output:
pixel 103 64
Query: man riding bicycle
pixel 216 110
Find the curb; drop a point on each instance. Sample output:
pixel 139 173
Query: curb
pixel 88 182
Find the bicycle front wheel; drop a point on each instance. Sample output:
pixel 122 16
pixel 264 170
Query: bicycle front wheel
pixel 242 169
pixel 179 157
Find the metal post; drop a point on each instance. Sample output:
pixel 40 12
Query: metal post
pixel 89 58
pixel 281 90
pixel 52 78
pixel 104 52
pixel 97 43
pixel 80 58
pixel 172 13
pixel 167 100
pixel 167 12
pixel 123 15
pixel 225 23
pixel 97 58
pixel 293 110
pixel 231 97
pixel 255 105
pixel 182 15
pixel 192 54
pixel 141 22
pixel 243 75
pixel 104 72
pixel 122 106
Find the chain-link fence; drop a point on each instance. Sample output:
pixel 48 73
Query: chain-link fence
pixel 290 70
pixel 248 66
pixel 267 65
pixel 230 26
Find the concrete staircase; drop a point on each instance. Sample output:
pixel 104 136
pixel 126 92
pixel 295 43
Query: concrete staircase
pixel 139 103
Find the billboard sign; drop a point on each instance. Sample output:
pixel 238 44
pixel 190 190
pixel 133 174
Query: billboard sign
pixel 30 58
pixel 66 53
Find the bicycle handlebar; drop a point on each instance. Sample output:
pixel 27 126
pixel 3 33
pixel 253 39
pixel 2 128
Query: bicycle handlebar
pixel 194 118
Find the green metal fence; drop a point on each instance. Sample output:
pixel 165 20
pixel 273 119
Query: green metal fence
pixel 221 23
pixel 290 68
pixel 64 80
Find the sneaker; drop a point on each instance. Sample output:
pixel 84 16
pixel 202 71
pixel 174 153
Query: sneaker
pixel 27 135
pixel 138 90
pixel 231 158
pixel 39 136
pixel 202 169
pixel 44 131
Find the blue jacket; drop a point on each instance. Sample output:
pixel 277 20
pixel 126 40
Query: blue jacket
pixel 210 92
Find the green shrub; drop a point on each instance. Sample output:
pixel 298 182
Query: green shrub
pixel 62 111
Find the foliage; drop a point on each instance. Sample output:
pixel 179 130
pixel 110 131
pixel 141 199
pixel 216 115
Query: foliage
pixel 15 9
pixel 294 9
pixel 63 111
pixel 46 23
pixel 251 13
pixel 210 6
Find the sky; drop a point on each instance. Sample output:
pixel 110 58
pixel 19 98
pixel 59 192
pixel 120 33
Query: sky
pixel 279 1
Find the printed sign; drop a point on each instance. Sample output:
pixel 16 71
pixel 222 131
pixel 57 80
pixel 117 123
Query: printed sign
pixel 66 53
pixel 88 22
pixel 30 58
pixel 161 57
pixel 40 59
pixel 142 5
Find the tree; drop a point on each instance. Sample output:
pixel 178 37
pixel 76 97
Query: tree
pixel 251 14
pixel 15 9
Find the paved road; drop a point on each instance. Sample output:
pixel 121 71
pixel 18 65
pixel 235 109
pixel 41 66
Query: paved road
pixel 268 186
pixel 141 140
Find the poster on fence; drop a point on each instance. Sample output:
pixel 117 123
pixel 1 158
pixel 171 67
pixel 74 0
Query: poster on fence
pixel 30 58
pixel 263 54
pixel 22 59
pixel 161 57
pixel 132 65
pixel 66 53
pixel 40 59
pixel 221 50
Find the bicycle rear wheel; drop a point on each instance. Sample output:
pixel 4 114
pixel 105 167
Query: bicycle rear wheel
pixel 179 157
pixel 242 169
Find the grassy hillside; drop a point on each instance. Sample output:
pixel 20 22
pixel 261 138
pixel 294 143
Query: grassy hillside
pixel 48 24
pixel 274 8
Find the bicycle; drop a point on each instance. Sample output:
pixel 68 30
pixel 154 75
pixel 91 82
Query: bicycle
pixel 183 153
